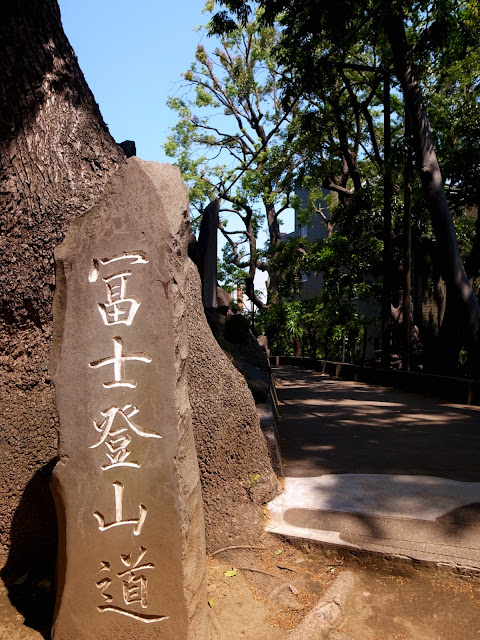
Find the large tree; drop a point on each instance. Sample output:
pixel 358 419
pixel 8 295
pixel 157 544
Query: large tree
pixel 56 159
pixel 236 141
pixel 462 303
pixel 409 34
pixel 56 156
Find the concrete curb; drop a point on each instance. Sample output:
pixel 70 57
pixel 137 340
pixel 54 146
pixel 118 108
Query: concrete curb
pixel 327 613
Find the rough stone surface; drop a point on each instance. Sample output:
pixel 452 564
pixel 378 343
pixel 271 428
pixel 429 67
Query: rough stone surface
pixel 28 441
pixel 56 156
pixel 233 334
pixel 223 300
pixel 236 473
pixel 131 559
pixel 268 416
pixel 263 344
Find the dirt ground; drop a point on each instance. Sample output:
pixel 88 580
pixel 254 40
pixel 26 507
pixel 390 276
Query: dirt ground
pixel 392 599
pixel 265 593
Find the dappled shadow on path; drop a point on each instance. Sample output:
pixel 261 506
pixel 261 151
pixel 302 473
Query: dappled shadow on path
pixel 353 527
pixel 401 511
pixel 338 426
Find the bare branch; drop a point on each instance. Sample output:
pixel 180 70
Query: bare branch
pixel 227 102
pixel 321 213
pixel 329 184
pixel 359 67
pixel 235 233
pixel 222 97
pixel 262 265
pixel 227 136
pixel 356 111
pixel 242 205
pixel 237 261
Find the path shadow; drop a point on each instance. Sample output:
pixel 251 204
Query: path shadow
pixel 336 426
pixel 411 446
pixel 466 515
pixel 421 508
pixel 407 533
pixel 29 572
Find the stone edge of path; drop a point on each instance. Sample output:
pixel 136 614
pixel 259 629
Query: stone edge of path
pixel 327 613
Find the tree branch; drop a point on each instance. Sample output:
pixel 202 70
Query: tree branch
pixel 329 184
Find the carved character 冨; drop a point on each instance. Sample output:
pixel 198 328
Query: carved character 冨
pixel 118 309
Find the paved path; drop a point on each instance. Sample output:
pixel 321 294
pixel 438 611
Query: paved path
pixel 379 469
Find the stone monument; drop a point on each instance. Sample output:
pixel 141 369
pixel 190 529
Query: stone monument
pixel 131 560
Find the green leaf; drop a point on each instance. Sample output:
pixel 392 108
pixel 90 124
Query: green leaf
pixel 231 573
pixel 278 552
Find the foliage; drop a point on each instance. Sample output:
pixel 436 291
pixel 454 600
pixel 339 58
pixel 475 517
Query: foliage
pixel 311 328
pixel 330 324
pixel 348 269
pixel 290 258
pixel 453 97
pixel 286 324
pixel 229 275
pixel 235 141
pixel 339 57
pixel 465 230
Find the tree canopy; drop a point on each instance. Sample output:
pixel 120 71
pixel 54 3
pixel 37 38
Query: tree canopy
pixel 358 88
pixel 235 141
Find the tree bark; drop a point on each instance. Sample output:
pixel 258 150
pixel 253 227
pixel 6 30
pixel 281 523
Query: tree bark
pixel 407 226
pixel 460 294
pixel 472 264
pixel 56 156
pixel 274 276
pixel 387 227
pixel 56 152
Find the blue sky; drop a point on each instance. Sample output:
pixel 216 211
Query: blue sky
pixel 132 55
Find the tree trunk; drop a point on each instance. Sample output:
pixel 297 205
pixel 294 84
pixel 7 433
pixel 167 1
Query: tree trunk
pixel 250 292
pixel 56 153
pixel 407 226
pixel 472 264
pixel 459 290
pixel 56 156
pixel 274 276
pixel 297 347
pixel 387 228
